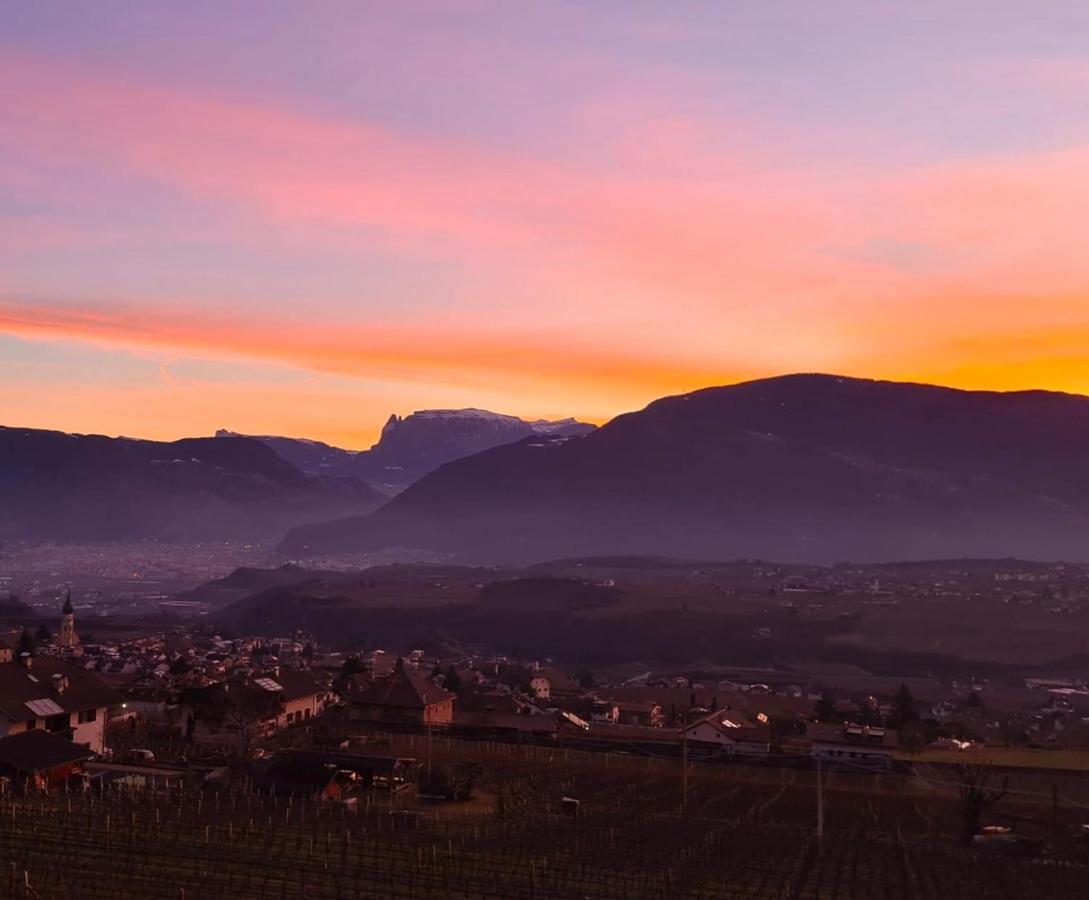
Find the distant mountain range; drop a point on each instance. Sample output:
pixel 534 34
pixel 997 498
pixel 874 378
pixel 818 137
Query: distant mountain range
pixel 88 487
pixel 412 446
pixel 313 458
pixel 799 468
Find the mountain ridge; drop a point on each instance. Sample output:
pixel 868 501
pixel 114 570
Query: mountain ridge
pixel 806 467
pixel 410 447
pixel 64 486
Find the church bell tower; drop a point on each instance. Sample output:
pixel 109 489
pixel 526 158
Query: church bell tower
pixel 68 637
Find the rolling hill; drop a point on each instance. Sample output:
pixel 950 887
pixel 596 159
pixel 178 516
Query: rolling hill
pixel 61 486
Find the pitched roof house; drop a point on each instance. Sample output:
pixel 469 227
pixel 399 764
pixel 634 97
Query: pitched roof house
pixel 403 698
pixel 303 693
pixel 50 694
pixel 730 731
pixel 244 707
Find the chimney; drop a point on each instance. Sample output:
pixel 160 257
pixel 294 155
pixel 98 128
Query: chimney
pixel 60 683
pixel 25 660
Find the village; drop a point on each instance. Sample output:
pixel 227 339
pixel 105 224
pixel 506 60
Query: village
pixel 177 758
pixel 229 699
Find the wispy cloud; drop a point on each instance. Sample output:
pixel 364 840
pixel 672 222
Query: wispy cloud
pixel 472 355
pixel 642 238
pixel 165 374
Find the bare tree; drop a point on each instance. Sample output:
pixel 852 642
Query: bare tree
pixel 244 717
pixel 244 728
pixel 978 790
pixel 975 783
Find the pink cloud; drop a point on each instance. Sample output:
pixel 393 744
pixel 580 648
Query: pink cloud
pixel 421 193
pixel 688 261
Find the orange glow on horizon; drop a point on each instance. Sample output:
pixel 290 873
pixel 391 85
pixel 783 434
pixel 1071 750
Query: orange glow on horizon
pixel 526 366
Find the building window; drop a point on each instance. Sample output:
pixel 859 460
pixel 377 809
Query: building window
pixel 88 715
pixel 31 724
pixel 306 715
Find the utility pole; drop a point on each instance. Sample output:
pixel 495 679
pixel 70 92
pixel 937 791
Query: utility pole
pixel 427 722
pixel 684 763
pixel 820 801
pixel 1056 829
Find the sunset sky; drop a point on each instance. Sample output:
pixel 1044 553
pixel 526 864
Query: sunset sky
pixel 296 218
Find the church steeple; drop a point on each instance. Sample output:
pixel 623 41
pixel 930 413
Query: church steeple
pixel 68 637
